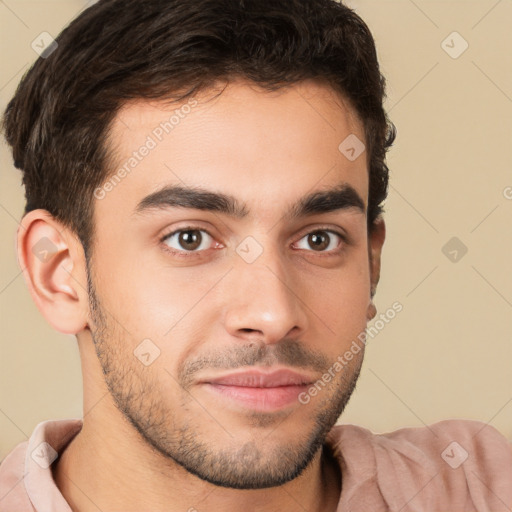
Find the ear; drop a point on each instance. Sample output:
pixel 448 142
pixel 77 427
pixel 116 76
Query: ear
pixel 53 264
pixel 375 242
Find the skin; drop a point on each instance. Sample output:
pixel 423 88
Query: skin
pixel 153 437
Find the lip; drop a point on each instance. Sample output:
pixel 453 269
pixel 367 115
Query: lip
pixel 261 379
pixel 260 390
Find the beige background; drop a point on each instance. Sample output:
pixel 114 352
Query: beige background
pixel 448 354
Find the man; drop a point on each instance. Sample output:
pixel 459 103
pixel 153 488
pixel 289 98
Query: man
pixel 204 185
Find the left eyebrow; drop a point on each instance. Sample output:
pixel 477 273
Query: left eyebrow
pixel 341 197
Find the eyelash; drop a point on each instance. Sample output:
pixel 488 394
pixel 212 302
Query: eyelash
pixel 188 254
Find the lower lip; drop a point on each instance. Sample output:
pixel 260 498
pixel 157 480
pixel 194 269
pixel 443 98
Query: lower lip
pixel 261 399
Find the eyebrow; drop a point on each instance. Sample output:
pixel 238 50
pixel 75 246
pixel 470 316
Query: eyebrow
pixel 341 197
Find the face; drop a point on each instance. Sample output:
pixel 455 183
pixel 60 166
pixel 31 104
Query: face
pixel 229 272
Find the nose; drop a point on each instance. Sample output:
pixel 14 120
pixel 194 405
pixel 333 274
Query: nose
pixel 263 301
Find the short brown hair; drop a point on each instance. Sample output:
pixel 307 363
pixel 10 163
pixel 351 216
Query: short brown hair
pixel 117 50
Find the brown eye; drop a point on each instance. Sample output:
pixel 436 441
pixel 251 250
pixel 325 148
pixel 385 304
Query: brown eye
pixel 188 240
pixel 320 241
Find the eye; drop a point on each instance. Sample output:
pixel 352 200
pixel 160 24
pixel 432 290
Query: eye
pixel 188 239
pixel 321 240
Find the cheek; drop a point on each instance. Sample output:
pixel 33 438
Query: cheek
pixel 340 302
pixel 159 303
pixel 129 289
pixel 342 291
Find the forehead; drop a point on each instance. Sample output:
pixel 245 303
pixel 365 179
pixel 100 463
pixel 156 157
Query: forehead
pixel 263 147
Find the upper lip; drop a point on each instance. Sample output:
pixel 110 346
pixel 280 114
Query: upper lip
pixel 261 379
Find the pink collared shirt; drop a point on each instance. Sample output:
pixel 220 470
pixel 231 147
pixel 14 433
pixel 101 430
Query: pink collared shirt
pixel 448 466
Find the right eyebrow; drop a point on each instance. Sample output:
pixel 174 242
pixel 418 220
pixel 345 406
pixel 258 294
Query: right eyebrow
pixel 196 198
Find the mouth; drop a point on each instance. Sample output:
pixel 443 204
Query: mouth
pixel 259 390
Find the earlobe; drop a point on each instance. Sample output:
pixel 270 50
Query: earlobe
pixel 53 265
pixel 371 311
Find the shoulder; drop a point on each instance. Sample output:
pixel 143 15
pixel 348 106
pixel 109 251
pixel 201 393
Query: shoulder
pixel 26 480
pixel 450 463
pixel 12 490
